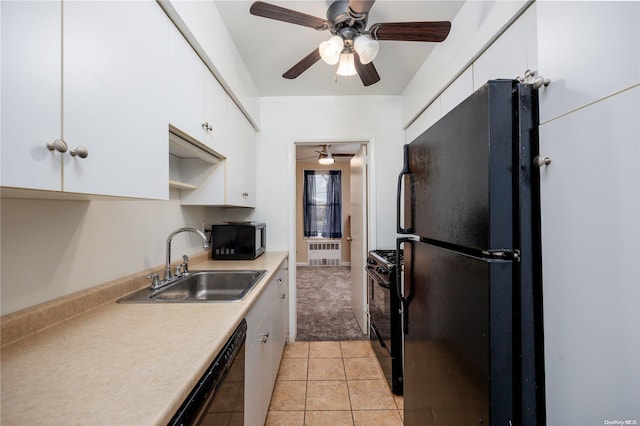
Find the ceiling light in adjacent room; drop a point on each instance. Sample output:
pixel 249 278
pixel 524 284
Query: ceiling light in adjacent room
pixel 325 156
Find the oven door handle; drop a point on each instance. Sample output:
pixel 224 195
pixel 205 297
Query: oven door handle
pixel 372 274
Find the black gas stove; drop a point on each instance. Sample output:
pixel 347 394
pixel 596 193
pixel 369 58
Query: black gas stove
pixel 386 257
pixel 385 318
pixel 382 264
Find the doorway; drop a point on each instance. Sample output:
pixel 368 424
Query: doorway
pixel 330 291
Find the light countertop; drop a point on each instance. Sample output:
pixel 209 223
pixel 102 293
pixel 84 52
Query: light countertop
pixel 121 364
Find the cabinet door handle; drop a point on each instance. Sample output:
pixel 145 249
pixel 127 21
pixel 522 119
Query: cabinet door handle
pixel 283 295
pixel 58 145
pixel 80 151
pixel 245 194
pixel 207 126
pixel 264 338
pixel 541 161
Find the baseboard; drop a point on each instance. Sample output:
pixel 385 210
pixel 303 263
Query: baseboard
pixel 306 264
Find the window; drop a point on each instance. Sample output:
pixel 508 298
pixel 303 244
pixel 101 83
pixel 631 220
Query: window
pixel 322 200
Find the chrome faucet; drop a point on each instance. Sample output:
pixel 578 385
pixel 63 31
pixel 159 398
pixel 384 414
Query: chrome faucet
pixel 168 276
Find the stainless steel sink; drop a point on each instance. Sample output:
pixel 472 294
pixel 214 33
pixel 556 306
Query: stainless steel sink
pixel 201 286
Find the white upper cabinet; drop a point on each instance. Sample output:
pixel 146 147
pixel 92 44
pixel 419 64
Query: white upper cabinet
pixel 215 104
pixel 233 181
pixel 197 101
pixel 115 98
pixel 31 94
pixel 186 86
pixel 514 52
pixel 241 160
pixel 96 82
pixel 593 57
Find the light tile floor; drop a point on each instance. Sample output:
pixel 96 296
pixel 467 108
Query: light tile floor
pixel 332 383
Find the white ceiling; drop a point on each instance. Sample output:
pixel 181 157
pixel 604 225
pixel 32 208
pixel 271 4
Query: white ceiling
pixel 269 48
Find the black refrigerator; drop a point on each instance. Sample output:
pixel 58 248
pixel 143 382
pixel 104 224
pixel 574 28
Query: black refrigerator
pixel 468 198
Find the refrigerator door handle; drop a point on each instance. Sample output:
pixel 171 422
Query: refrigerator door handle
pixel 404 301
pixel 405 171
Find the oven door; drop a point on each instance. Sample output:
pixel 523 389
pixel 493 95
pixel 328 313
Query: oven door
pixel 380 323
pixel 379 295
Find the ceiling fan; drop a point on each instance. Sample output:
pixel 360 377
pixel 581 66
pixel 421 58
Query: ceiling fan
pixel 325 156
pixel 352 46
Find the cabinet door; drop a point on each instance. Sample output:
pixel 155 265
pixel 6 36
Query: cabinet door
pixel 585 64
pixel 215 106
pixel 511 54
pixel 240 175
pixel 186 86
pixel 590 196
pixel 115 98
pixel 31 94
pixel 254 372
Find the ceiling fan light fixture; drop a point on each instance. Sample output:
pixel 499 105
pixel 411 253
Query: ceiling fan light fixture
pixel 330 50
pixel 347 65
pixel 326 160
pixel 367 48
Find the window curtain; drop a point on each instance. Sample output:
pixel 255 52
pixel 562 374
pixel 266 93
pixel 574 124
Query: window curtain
pixel 332 227
pixel 309 204
pixel 332 223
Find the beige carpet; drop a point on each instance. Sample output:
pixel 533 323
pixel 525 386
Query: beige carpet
pixel 324 304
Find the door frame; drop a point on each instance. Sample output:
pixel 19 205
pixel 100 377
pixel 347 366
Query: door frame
pixel 291 210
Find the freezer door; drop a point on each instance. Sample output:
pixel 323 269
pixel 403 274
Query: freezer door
pixel 459 186
pixel 458 345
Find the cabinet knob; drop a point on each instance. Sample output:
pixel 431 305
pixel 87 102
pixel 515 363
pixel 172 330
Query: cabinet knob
pixel 283 295
pixel 245 194
pixel 207 126
pixel 541 161
pixel 80 151
pixel 58 145
pixel 264 338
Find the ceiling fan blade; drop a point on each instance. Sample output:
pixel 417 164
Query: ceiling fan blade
pixel 367 72
pixel 266 10
pixel 360 6
pixel 303 65
pixel 435 31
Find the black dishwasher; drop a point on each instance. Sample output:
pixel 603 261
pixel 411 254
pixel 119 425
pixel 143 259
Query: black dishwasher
pixel 218 398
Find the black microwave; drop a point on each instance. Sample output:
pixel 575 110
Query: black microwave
pixel 238 240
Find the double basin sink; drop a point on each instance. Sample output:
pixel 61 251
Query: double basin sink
pixel 201 286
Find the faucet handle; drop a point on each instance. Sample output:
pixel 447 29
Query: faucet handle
pixel 185 265
pixel 156 280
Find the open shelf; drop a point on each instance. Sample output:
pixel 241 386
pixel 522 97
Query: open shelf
pixel 190 161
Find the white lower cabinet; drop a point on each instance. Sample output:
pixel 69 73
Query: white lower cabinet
pixel 267 323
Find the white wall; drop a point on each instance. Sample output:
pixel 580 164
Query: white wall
pixel 51 248
pixel 286 120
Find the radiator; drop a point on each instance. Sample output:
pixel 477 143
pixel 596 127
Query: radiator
pixel 324 253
